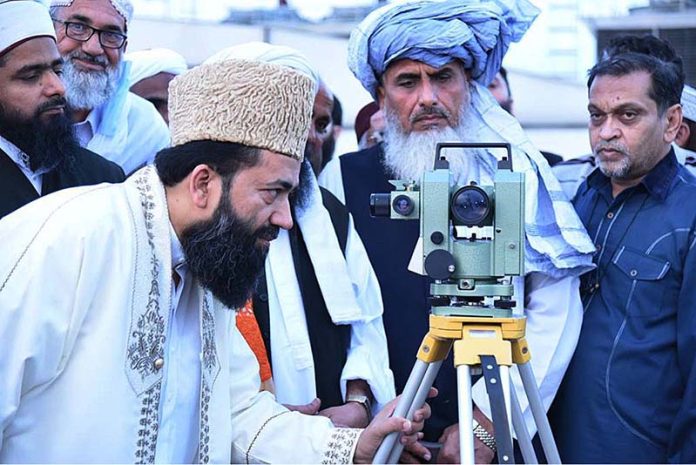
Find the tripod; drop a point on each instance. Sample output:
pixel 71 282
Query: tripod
pixel 493 344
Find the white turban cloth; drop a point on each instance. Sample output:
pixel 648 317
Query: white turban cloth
pixel 148 63
pixel 688 101
pixel 123 7
pixel 267 53
pixel 21 20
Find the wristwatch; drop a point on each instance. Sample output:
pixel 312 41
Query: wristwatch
pixel 484 436
pixel 362 400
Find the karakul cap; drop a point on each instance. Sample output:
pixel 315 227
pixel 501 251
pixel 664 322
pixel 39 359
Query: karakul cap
pixel 252 103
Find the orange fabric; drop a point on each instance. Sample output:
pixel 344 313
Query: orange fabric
pixel 247 325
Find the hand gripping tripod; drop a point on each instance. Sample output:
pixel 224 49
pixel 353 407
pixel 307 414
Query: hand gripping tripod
pixel 480 343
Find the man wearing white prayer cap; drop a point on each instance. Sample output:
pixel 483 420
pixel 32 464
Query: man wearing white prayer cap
pixel 319 304
pixel 110 120
pixel 118 341
pixel 428 63
pixel 38 151
pixel 150 73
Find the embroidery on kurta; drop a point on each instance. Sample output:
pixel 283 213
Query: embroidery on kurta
pixel 147 338
pixel 341 445
pixel 210 368
pixel 147 435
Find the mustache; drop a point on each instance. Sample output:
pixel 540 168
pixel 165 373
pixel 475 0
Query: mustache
pixel 431 111
pixel 54 102
pixel 268 233
pixel 611 146
pixel 101 60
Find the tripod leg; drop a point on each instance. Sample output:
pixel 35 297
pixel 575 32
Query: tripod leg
pixel 539 413
pixel 496 386
pixel 520 427
pixel 419 400
pixel 415 379
pixel 466 415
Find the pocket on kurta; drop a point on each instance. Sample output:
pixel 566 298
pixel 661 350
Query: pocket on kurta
pixel 645 272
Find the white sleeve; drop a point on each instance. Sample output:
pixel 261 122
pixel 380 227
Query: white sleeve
pixel 554 318
pixel 331 178
pixel 40 308
pixel 368 357
pixel 263 431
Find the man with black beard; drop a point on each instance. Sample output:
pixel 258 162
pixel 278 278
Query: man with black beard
pixel 38 151
pixel 117 302
pixel 109 120
pixel 434 91
pixel 318 305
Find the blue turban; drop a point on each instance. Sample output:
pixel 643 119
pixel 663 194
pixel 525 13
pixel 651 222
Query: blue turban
pixel 476 32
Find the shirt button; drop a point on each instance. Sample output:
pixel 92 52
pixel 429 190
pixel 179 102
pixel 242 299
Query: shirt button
pixel 633 273
pixel 158 363
pixel 596 286
pixel 598 247
pixel 610 215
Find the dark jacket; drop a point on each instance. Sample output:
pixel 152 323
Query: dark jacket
pixel 86 169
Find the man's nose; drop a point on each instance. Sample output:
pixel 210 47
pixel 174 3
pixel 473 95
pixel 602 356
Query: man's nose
pixel 53 85
pixel 609 129
pixel 282 217
pixel 428 94
pixel 93 46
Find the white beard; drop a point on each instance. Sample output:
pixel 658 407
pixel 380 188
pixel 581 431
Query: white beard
pixel 86 90
pixel 409 156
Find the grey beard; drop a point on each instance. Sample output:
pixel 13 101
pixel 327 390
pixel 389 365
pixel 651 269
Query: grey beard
pixel 85 90
pixel 409 155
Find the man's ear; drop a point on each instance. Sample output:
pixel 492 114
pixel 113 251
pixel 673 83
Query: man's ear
pixel 380 97
pixel 683 134
pixel 673 117
pixel 204 187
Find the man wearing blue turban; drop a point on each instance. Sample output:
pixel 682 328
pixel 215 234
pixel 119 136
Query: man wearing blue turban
pixel 428 63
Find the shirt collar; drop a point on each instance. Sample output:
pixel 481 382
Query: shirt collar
pixel 19 157
pixel 659 179
pixel 178 256
pixel 657 182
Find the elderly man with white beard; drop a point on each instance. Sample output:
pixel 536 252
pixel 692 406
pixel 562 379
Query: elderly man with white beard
pixel 109 120
pixel 428 64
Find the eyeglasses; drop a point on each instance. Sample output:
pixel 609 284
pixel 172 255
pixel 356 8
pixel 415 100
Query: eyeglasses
pixel 82 33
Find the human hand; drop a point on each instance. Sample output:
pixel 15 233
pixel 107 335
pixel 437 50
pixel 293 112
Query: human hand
pixel 311 408
pixel 348 415
pixel 449 453
pixel 384 424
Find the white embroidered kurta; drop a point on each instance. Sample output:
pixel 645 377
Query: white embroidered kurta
pixel 85 288
pixel 130 135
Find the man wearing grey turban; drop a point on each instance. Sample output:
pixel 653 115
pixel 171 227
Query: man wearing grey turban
pixel 428 63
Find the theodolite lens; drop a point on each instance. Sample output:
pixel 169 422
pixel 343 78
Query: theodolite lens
pixel 380 205
pixel 403 205
pixel 470 206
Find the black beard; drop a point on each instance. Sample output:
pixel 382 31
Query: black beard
pixel 328 148
pixel 300 197
pixel 47 143
pixel 223 253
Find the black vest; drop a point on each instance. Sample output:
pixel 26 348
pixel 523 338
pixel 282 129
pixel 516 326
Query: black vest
pixel 329 342
pixel 88 168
